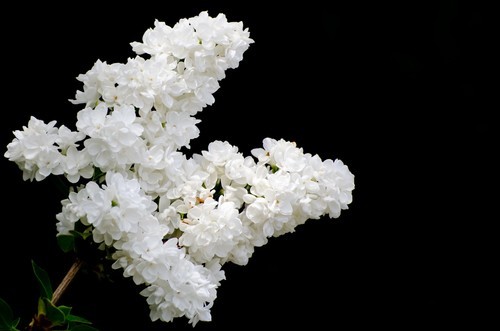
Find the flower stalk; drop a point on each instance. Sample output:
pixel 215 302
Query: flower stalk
pixel 68 278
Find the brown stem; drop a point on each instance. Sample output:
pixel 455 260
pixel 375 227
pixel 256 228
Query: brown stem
pixel 66 280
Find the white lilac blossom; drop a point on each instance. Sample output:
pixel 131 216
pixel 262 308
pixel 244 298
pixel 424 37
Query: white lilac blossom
pixel 211 229
pixel 114 140
pixel 122 217
pixel 41 149
pixel 169 221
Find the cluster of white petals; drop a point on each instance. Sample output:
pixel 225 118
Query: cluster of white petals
pixel 171 221
pixel 41 149
pixel 123 217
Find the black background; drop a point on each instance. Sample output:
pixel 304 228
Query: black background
pixel 399 92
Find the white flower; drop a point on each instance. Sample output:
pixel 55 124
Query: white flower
pixel 181 128
pixel 283 154
pixel 235 194
pixel 97 205
pixel 259 182
pixel 167 215
pixel 338 184
pixel 229 39
pixel 116 208
pixel 243 250
pixel 155 40
pixel 92 121
pixel 122 216
pixel 151 172
pixel 71 212
pixel 186 289
pixel 122 121
pixel 161 170
pixel 239 169
pixel 114 141
pixel 67 138
pixel 219 152
pixel 200 49
pixel 211 229
pixel 34 150
pixel 77 164
pixel 289 187
pixel 258 211
pixel 189 180
pixel 99 81
pixel 144 83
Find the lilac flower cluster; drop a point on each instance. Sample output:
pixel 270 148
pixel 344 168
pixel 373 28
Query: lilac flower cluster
pixel 173 221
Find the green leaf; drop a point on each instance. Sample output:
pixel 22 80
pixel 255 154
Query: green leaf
pixel 44 281
pixel 87 233
pixel 7 321
pixel 15 323
pixel 76 233
pixel 66 243
pixel 84 235
pixel 65 309
pixel 98 174
pixel 54 314
pixel 6 314
pixel 77 319
pixel 83 327
pixel 41 307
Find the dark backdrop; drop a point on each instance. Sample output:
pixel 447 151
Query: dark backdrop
pixel 399 92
